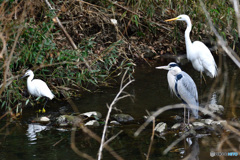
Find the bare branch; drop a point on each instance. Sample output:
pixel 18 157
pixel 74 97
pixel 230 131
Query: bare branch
pixel 108 115
pixel 221 41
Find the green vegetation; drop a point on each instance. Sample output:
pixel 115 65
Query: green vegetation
pixel 31 39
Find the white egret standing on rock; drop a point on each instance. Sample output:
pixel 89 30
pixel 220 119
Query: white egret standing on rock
pixel 183 86
pixel 197 52
pixel 37 87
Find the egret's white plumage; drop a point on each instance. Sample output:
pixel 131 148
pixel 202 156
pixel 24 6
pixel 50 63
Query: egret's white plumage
pixel 197 52
pixel 183 86
pixel 37 87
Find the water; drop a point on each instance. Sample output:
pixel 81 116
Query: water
pixel 25 140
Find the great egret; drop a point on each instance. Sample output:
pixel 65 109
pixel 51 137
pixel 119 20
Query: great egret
pixel 183 86
pixel 197 52
pixel 37 87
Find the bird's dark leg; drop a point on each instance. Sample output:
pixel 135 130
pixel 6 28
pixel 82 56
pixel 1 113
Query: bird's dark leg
pixel 188 116
pixel 43 110
pixel 202 77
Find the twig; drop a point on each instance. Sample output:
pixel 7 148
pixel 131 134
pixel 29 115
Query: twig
pixel 236 8
pixel 8 60
pixel 221 41
pixel 112 138
pixel 152 138
pixel 75 149
pixel 97 138
pixel 175 142
pixel 4 48
pixel 107 118
pixel 58 142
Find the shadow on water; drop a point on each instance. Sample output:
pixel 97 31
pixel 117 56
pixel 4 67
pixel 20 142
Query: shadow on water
pixel 25 140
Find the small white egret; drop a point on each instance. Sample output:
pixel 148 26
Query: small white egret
pixel 197 52
pixel 37 87
pixel 183 86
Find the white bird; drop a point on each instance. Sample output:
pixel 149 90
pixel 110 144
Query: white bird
pixel 37 87
pixel 197 52
pixel 183 86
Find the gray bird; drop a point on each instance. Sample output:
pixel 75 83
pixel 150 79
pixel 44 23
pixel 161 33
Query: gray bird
pixel 183 86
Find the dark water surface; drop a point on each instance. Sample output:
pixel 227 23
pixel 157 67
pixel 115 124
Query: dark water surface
pixel 25 140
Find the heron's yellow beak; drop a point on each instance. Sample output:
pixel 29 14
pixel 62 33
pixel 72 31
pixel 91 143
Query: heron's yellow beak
pixel 172 19
pixel 163 67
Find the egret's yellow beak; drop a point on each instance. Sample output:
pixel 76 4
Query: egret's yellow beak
pixel 172 19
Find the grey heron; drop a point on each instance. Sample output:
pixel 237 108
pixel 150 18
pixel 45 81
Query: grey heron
pixel 183 86
pixel 37 87
pixel 197 52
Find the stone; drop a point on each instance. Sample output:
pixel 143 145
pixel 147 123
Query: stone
pixel 94 114
pixel 176 126
pixel 94 123
pixel 160 127
pixel 122 117
pixel 214 108
pixel 198 124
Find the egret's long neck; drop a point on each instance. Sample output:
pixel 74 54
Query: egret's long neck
pixel 188 41
pixel 30 78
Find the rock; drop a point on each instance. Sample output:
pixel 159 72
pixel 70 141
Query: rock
pixel 198 125
pixel 66 120
pixel 207 121
pixel 95 114
pixel 94 123
pixel 123 117
pixel 160 127
pixel 220 122
pixel 43 119
pixel 115 123
pixel 214 108
pixel 176 126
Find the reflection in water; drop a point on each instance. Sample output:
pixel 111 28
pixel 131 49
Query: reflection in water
pixel 193 150
pixel 32 131
pixel 213 98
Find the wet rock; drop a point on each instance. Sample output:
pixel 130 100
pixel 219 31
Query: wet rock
pixel 160 127
pixel 219 123
pixel 214 108
pixel 43 119
pixel 207 121
pixel 176 126
pixel 115 123
pixel 94 123
pixel 69 120
pixel 198 125
pixel 94 114
pixel 63 110
pixel 122 117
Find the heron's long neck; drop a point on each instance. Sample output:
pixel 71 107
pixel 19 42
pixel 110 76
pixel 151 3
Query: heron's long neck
pixel 188 41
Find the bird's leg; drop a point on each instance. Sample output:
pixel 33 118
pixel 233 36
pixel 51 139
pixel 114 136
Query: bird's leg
pixel 43 110
pixel 188 116
pixel 184 119
pixel 202 77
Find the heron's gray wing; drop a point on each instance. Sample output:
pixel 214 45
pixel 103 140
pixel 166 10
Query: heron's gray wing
pixel 188 91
